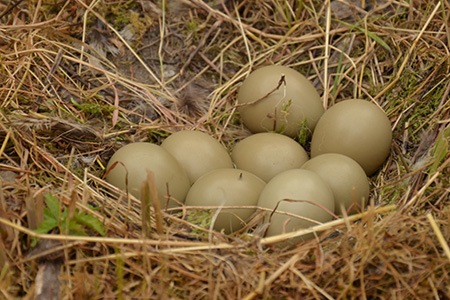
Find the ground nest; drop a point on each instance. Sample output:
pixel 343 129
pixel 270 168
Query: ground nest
pixel 82 78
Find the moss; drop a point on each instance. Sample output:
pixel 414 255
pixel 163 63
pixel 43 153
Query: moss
pixel 119 15
pixel 94 108
pixel 125 14
pixel 140 23
pixel 200 217
pixel 192 27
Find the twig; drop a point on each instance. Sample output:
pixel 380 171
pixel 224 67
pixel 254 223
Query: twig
pixel 439 235
pixel 282 81
pixel 10 8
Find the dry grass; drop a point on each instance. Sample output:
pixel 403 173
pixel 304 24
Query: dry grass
pixel 82 78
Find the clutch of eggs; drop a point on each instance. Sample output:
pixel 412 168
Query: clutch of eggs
pixel 268 169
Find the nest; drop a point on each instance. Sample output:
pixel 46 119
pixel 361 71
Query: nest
pixel 82 78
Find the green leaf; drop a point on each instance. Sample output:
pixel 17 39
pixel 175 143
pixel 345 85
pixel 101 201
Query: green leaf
pixel 56 218
pixel 440 149
pixel 53 208
pixel 377 39
pixel 370 34
pixel 76 228
pixel 47 225
pixel 51 215
pixel 90 222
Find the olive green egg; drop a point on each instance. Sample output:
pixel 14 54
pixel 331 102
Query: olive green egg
pixel 345 177
pixel 357 129
pixel 279 99
pixel 223 188
pixel 128 167
pixel 268 154
pixel 301 193
pixel 197 152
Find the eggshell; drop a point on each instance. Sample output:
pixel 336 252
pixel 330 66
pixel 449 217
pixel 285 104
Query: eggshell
pixel 268 154
pixel 197 152
pixel 296 184
pixel 133 162
pixel 292 108
pixel 357 129
pixel 227 187
pixel 346 178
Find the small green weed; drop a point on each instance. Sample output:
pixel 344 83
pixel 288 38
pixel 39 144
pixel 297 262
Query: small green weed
pixel 304 134
pixel 57 218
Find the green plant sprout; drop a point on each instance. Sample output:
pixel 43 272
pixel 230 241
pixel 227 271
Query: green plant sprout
pixel 285 107
pixel 57 218
pixel 304 133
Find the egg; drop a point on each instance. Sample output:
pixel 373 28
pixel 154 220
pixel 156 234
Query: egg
pixel 357 129
pixel 314 197
pixel 268 154
pixel 280 99
pixel 197 152
pixel 227 187
pixel 127 169
pixel 346 178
